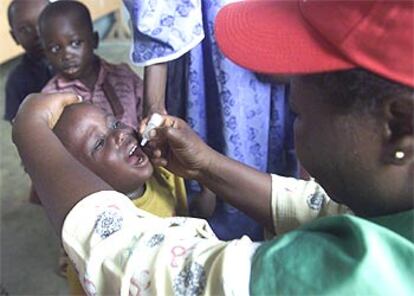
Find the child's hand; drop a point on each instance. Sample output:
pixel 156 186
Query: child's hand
pixel 203 204
pixel 177 147
pixel 46 107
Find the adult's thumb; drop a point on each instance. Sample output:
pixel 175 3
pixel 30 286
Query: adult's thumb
pixel 176 137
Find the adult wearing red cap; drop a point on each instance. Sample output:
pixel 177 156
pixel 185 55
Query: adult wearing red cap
pixel 350 66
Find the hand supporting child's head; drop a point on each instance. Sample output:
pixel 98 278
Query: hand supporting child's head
pixel 45 108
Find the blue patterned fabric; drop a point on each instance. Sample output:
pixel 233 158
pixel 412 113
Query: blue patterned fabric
pixel 238 116
pixel 164 30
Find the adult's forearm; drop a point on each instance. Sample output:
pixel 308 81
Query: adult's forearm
pixel 60 180
pixel 155 83
pixel 243 187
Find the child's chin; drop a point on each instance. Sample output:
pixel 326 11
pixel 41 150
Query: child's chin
pixel 145 171
pixel 71 75
pixel 36 53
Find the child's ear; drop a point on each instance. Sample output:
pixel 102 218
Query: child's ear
pixel 14 37
pixel 399 131
pixel 95 40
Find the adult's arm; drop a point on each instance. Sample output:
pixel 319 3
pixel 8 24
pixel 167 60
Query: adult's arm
pixel 60 180
pixel 176 146
pixel 155 83
pixel 242 186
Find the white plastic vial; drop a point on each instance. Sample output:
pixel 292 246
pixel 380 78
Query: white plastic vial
pixel 155 121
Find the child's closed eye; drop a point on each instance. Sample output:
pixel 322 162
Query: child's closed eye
pixel 99 144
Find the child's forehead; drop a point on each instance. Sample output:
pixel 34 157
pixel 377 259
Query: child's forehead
pixel 80 117
pixel 73 11
pixel 82 109
pixel 19 9
pixel 61 22
pixel 58 17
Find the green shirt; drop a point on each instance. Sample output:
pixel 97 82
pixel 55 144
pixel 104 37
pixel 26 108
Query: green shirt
pixel 340 255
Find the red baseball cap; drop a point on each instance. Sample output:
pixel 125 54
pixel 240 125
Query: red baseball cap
pixel 311 36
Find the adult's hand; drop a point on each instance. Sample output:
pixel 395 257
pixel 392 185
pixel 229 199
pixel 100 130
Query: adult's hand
pixel 177 147
pixel 44 107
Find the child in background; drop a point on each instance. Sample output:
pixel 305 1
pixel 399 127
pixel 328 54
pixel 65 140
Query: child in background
pixel 32 72
pixel 111 150
pixel 67 34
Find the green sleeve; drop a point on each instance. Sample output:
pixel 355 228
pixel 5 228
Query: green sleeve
pixel 342 255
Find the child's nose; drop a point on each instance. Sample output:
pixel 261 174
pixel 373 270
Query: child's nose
pixel 119 136
pixel 67 54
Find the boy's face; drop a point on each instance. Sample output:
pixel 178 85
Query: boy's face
pixel 104 145
pixel 24 25
pixel 69 46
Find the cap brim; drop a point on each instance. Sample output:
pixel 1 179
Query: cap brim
pixel 273 37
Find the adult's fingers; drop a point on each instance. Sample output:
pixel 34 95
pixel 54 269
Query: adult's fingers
pixel 46 105
pixel 61 101
pixel 63 98
pixel 67 98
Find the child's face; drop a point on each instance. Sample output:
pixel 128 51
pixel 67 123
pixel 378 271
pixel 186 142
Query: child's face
pixel 104 145
pixel 24 28
pixel 69 47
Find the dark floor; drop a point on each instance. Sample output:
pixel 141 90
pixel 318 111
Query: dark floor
pixel 29 247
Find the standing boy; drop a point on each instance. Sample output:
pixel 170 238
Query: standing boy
pixel 32 72
pixel 67 34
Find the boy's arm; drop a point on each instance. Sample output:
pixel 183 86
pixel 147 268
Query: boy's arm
pixel 59 178
pixel 155 83
pixel 203 204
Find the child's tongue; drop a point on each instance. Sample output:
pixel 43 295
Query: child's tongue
pixel 137 158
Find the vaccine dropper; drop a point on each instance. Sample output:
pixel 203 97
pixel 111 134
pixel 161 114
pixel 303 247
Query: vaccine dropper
pixel 154 122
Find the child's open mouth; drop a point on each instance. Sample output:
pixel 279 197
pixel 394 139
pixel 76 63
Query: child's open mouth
pixel 136 157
